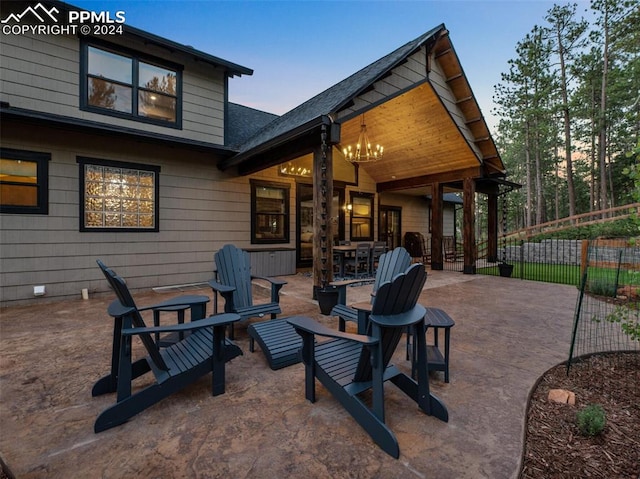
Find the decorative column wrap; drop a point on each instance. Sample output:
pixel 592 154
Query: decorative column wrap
pixel 322 225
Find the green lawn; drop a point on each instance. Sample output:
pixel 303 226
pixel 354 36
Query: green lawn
pixel 550 273
pixel 567 274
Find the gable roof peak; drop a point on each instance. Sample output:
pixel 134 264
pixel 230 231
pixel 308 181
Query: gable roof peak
pixel 333 98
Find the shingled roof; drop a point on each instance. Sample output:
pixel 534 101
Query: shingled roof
pixel 244 122
pixel 330 100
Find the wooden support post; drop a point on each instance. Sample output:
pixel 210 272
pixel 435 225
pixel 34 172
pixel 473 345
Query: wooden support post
pixel 584 256
pixel 469 228
pixel 437 225
pixel 322 212
pixel 492 228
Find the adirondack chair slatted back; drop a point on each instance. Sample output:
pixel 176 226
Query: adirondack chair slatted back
pixel 233 267
pixel 124 296
pixel 390 264
pixel 395 297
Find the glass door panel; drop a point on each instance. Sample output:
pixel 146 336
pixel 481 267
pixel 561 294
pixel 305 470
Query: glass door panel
pixel 390 226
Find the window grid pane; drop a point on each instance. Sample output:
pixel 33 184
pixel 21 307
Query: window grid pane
pixel 20 184
pixel 157 79
pixel 109 95
pixel 110 65
pixel 270 212
pixel 110 85
pixel 157 106
pixel 119 197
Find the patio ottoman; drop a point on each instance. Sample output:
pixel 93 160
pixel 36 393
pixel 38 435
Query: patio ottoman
pixel 278 340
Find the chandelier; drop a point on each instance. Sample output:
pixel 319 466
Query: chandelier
pixel 364 151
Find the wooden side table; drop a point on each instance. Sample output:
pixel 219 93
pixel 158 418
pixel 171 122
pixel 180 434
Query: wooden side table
pixel 436 360
pixel 197 304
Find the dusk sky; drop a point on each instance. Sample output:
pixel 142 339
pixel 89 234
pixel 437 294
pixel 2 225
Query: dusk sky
pixel 298 49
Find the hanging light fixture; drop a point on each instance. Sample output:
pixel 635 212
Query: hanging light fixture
pixel 363 151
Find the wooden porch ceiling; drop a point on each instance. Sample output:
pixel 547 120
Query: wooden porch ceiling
pixel 419 137
pixel 423 142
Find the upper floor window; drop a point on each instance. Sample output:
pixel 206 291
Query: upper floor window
pixel 24 182
pixel 122 84
pixel 118 196
pixel 269 212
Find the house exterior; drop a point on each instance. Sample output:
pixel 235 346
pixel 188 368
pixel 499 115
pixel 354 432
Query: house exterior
pixel 126 148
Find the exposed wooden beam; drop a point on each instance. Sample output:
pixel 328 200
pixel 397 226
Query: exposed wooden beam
pixel 425 180
pixel 444 52
pixel 480 140
pixel 473 120
pixel 462 100
pixel 454 77
pixel 490 165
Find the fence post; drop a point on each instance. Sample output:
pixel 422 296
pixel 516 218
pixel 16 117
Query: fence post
pixel 584 256
pixel 521 259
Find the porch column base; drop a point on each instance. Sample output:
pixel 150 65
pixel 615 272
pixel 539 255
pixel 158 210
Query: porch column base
pixel 437 266
pixel 471 269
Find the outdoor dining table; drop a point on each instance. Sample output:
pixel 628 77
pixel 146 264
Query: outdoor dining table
pixel 343 251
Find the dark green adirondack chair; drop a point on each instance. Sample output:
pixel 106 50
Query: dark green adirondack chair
pixel 234 282
pixel 203 350
pixel 390 264
pixel 350 364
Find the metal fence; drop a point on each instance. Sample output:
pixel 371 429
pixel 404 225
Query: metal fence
pixel 550 260
pixel 607 314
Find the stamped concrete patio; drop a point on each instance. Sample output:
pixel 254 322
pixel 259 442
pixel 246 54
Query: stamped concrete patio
pixel 508 332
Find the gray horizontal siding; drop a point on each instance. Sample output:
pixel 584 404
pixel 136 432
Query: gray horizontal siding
pixel 41 73
pixel 403 76
pixel 201 209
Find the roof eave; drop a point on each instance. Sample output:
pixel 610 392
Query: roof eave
pixel 275 142
pixel 8 113
pixel 232 69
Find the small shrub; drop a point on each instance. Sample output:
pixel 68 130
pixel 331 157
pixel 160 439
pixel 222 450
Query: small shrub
pixel 591 420
pixel 602 287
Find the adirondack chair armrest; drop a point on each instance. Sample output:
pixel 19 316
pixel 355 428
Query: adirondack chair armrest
pixel 154 306
pixel 223 319
pixel 221 288
pixel 117 310
pixel 344 283
pixel 341 286
pixel 276 286
pixel 311 326
pixel 274 281
pixel 413 316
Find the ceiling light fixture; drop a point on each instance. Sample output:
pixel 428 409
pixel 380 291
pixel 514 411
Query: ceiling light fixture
pixel 363 151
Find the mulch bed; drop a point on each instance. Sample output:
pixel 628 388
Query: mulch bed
pixel 554 447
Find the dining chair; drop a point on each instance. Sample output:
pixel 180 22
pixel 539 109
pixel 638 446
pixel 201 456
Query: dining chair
pixel 359 264
pixel 378 249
